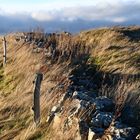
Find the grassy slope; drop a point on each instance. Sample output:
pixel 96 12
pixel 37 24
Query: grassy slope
pixel 117 53
pixel 15 98
pixel 16 91
pixel 115 49
pixel 111 49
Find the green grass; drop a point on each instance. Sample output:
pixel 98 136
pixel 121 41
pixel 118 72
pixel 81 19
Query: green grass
pixel 8 83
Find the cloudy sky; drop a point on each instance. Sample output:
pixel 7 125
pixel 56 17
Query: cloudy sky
pixel 71 15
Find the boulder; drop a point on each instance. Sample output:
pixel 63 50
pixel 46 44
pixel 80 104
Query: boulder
pixel 101 119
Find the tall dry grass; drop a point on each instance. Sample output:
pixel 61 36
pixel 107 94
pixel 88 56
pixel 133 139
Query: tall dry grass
pixel 109 48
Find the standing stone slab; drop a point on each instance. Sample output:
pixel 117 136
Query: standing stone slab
pixel 36 108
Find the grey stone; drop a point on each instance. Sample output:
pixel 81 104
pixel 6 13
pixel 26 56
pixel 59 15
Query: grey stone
pixel 81 96
pixel 123 132
pixel 128 133
pixel 101 119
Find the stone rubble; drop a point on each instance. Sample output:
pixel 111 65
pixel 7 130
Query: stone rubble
pixel 95 114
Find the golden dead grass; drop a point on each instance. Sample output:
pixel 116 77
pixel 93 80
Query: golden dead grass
pixel 113 51
pixel 16 101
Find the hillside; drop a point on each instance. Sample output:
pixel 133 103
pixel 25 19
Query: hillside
pixel 90 89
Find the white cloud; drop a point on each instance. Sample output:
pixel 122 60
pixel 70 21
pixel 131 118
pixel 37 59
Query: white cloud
pixel 119 19
pixel 72 16
pixel 90 10
pixel 115 12
pixel 42 16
